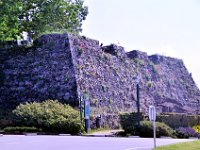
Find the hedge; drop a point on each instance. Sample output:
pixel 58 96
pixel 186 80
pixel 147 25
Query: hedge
pixel 21 129
pixel 128 121
pixel 6 118
pixel 176 120
pixel 129 124
pixel 146 129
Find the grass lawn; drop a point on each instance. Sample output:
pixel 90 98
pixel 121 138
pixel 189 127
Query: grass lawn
pixel 195 145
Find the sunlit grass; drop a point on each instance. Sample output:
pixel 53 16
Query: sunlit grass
pixel 195 145
pixel 98 130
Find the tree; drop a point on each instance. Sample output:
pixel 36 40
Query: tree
pixel 9 27
pixel 38 16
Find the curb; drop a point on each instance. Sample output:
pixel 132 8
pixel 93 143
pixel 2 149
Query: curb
pixel 133 136
pixel 30 134
pixel 90 135
pixel 64 134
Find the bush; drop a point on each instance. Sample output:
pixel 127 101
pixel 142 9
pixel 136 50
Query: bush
pixel 49 115
pixel 6 118
pixel 146 129
pixel 5 122
pixel 175 120
pixel 21 129
pixel 197 128
pixel 128 121
pixel 185 132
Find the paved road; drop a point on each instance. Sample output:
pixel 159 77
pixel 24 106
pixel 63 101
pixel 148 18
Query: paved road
pixel 21 142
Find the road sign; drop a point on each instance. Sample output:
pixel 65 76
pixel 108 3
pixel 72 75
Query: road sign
pixel 152 113
pixel 152 118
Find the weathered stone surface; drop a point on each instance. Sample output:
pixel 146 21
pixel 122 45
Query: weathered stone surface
pixel 40 73
pixel 64 67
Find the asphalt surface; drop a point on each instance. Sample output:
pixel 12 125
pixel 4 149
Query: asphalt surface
pixel 22 142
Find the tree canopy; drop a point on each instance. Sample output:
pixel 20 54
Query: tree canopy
pixel 38 16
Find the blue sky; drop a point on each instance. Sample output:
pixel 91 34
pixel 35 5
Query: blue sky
pixel 167 27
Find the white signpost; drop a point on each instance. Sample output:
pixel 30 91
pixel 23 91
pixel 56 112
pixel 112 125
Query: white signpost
pixel 152 118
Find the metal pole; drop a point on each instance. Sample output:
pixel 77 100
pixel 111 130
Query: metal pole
pixel 154 133
pixel 198 111
pixel 138 106
pixel 80 105
pixel 87 125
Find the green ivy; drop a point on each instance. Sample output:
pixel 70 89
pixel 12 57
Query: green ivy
pixel 110 101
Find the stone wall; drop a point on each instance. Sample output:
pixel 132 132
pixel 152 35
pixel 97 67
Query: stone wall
pixel 106 75
pixel 65 67
pixel 167 84
pixel 41 73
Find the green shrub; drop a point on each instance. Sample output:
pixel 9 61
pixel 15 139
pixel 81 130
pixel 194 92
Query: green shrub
pixel 49 115
pixel 21 129
pixel 6 118
pixel 6 122
pixel 138 61
pixel 197 128
pixel 176 120
pixel 128 121
pixel 162 129
pixel 149 84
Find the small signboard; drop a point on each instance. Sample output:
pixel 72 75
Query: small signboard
pixel 152 113
pixel 152 118
pixel 87 109
pixel 87 106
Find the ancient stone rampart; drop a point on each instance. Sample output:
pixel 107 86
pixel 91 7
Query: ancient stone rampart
pixel 64 67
